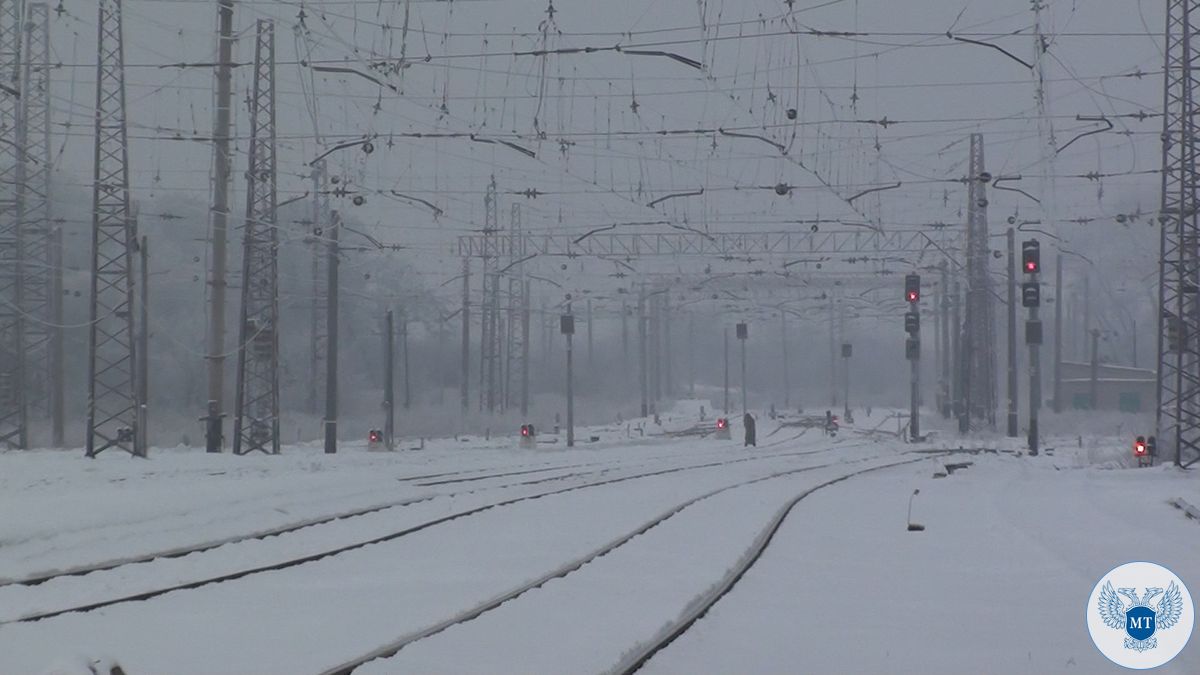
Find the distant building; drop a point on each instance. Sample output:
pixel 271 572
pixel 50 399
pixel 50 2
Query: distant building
pixel 1131 390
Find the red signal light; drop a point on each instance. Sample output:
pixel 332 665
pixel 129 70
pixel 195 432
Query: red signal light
pixel 1139 447
pixel 375 436
pixel 913 296
pixel 722 423
pixel 524 429
pixel 1031 266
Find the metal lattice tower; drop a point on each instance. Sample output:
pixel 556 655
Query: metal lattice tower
pixel 1178 419
pixel 112 382
pixel 12 353
pixel 979 321
pixel 37 292
pixel 491 341
pixel 318 340
pixel 516 374
pixel 256 424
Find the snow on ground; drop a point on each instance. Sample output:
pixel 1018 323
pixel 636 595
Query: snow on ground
pixel 996 584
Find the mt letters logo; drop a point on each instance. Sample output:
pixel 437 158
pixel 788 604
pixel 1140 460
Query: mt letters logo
pixel 1140 615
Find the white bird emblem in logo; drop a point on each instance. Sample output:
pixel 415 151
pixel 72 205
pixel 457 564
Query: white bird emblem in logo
pixel 1138 619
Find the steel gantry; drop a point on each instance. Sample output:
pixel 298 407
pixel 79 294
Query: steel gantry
pixel 13 413
pixel 979 334
pixel 1178 417
pixel 113 406
pixel 516 348
pixel 491 338
pixel 256 421
pixel 39 302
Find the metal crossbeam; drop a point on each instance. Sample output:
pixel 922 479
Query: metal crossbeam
pixel 938 241
pixel 13 413
pixel 112 384
pixel 256 425
pixel 1178 418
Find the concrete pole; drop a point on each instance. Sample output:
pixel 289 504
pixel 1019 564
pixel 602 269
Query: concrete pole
pixel 404 358
pixel 1058 332
pixel 143 352
pixel 57 347
pixel 668 349
pixel 745 385
pixel 591 361
pixel 846 387
pixel 524 351
pixel 1094 389
pixel 1012 333
pixel 641 328
pixel 331 330
pixel 726 385
pixel 465 356
pixel 1035 382
pixel 222 170
pixel 389 389
pixel 691 356
pixel 570 390
pixel 787 385
pixel 947 382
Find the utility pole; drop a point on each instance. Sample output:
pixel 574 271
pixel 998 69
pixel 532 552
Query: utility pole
pixel 1010 237
pixel 568 329
pixel 691 355
pixel 833 397
pixel 725 407
pixel 787 387
pixel 57 346
pixel 404 359
pixel 317 338
pixel 743 334
pixel 143 350
pixel 389 388
pixel 668 347
pixel 1094 389
pixel 465 358
pixel 331 329
pixel 947 350
pixel 847 350
pixel 1058 329
pixel 591 363
pixel 256 421
pixel 222 169
pixel 525 310
pixel 112 378
pixel 641 316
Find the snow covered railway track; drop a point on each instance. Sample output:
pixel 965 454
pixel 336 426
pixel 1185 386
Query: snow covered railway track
pixel 38 578
pixel 565 570
pixel 328 553
pixel 638 656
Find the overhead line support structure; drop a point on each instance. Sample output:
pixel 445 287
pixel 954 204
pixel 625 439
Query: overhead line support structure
pixel 13 411
pixel 256 421
pixel 1178 414
pixel 113 403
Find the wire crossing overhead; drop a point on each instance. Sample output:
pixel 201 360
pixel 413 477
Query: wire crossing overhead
pixel 1178 419
pixel 256 425
pixel 112 384
pixel 941 241
pixel 13 412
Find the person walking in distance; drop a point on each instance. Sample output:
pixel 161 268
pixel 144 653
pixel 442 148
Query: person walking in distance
pixel 748 423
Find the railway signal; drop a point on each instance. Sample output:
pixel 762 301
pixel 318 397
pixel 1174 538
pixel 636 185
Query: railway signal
pixel 1031 256
pixel 723 429
pixel 912 288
